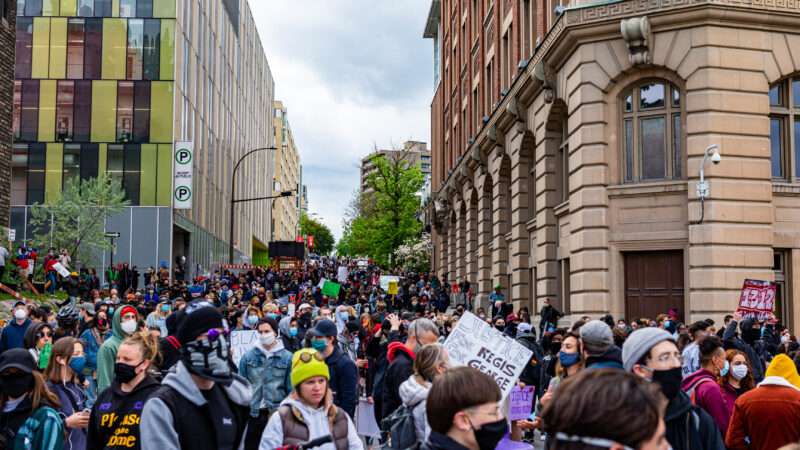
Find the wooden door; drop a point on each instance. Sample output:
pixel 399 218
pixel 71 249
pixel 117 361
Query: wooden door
pixel 653 284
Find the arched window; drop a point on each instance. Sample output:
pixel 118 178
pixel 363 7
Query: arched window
pixel 784 129
pixel 651 132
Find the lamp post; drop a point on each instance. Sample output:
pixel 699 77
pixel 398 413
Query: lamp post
pixel 233 196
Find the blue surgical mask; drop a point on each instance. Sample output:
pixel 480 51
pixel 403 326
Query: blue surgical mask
pixel 319 344
pixel 272 316
pixel 77 363
pixel 724 371
pixel 293 331
pixel 252 320
pixel 344 315
pixel 165 308
pixel 568 359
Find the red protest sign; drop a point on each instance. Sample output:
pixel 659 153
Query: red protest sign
pixel 757 299
pixel 310 241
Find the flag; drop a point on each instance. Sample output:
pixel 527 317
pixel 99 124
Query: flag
pixel 331 289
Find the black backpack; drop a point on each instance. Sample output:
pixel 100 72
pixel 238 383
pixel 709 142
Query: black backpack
pixel 398 429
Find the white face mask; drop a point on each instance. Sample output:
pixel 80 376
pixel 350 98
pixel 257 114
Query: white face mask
pixel 267 339
pixel 739 371
pixel 129 326
pixel 20 314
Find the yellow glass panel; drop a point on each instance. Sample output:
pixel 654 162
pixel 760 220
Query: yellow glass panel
pixel 164 183
pixel 115 8
pixel 50 8
pixel 54 170
pixel 149 166
pixel 69 8
pixel 104 111
pixel 58 47
pixel 167 49
pixel 164 8
pixel 115 43
pixel 47 110
pixel 41 47
pixel 102 158
pixel 161 100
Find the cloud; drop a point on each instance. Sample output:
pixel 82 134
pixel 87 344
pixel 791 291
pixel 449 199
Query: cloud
pixel 352 74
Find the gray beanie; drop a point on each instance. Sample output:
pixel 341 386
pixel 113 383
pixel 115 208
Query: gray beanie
pixel 596 337
pixel 639 344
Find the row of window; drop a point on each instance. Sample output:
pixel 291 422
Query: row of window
pixel 96 8
pixel 28 168
pixel 82 53
pixel 784 129
pixel 73 111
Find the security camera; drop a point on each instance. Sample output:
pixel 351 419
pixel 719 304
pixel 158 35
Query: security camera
pixel 716 158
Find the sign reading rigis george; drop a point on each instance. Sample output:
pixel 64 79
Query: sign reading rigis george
pixel 182 188
pixel 474 343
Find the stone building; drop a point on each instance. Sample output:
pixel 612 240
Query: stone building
pixel 568 141
pixel 7 37
pixel 288 177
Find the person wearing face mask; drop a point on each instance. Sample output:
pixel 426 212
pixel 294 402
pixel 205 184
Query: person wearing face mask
pixel 463 412
pixel 344 375
pixel 39 342
pixel 124 324
pixel 13 333
pixel 115 417
pixel 702 387
pixel 268 368
pixel 651 353
pixel 93 338
pixel 431 362
pixel 202 404
pixel 691 353
pixel 289 334
pixel 158 318
pixel 252 317
pixel 739 379
pixel 29 415
pixel 62 375
pixel 749 342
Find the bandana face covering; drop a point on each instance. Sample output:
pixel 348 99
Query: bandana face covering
pixel 208 359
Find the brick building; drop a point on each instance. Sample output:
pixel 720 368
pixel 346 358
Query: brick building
pixel 7 35
pixel 567 141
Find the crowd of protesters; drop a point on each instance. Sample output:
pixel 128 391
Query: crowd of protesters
pixel 118 366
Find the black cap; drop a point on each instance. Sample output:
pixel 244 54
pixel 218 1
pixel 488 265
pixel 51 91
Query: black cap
pixel 701 325
pixel 324 328
pixel 17 358
pixel 19 302
pixel 198 322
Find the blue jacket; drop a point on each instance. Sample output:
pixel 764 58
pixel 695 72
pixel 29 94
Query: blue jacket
pixel 13 334
pixel 269 377
pixel 91 347
pixel 343 381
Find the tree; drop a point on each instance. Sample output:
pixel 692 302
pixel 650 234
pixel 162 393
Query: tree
pixel 323 238
pixel 386 216
pixel 76 219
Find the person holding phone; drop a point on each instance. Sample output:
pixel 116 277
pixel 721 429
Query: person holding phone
pixel 63 379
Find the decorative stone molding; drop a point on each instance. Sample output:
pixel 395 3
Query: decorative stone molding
pixel 544 73
pixel 441 208
pixel 637 35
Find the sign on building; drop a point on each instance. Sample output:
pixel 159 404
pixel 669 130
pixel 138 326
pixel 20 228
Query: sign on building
pixel 182 187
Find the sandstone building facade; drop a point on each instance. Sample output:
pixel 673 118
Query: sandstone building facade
pixel 567 141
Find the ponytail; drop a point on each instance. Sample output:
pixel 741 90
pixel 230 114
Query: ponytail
pixel 147 343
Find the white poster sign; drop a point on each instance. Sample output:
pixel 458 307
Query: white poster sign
pixel 342 274
pixel 476 344
pixel 182 188
pixel 61 270
pixel 12 234
pixel 386 279
pixel 241 342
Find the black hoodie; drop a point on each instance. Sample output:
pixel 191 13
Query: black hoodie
pixel 114 423
pixel 690 427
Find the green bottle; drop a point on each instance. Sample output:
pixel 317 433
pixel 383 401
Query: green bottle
pixel 44 355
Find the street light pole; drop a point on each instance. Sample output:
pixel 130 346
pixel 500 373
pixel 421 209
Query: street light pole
pixel 233 197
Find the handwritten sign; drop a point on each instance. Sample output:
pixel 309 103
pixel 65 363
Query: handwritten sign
pixel 520 402
pixel 757 299
pixel 393 290
pixel 341 274
pixel 241 342
pixel 386 279
pixel 474 343
pixel 58 267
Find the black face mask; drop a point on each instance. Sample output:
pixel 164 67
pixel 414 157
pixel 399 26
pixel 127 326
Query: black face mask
pixel 489 434
pixel 14 386
pixel 500 327
pixel 555 347
pixel 669 380
pixel 124 372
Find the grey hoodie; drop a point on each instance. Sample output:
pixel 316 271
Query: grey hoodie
pixel 157 430
pixel 414 396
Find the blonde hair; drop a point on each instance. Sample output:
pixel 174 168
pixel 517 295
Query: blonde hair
pixel 147 343
pixel 428 360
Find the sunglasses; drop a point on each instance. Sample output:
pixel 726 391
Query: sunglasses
pixel 42 334
pixel 306 358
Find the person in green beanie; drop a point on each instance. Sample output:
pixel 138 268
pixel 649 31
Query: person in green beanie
pixel 308 412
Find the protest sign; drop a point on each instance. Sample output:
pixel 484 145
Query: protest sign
pixel 392 288
pixel 341 275
pixel 520 402
pixel 365 420
pixel 58 267
pixel 757 300
pixel 474 343
pixel 290 309
pixel 241 342
pixel 385 279
pixel 331 289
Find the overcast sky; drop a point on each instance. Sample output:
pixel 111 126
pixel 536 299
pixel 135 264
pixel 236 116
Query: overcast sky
pixel 353 74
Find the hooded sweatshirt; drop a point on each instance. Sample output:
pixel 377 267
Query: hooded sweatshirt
pixel 116 415
pixel 690 427
pixel 13 335
pixel 708 395
pixel 318 426
pixel 401 366
pixel 107 355
pixel 158 424
pixel 414 396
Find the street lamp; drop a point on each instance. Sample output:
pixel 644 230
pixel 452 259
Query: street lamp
pixel 234 201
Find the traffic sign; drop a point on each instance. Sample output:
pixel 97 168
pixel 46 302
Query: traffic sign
pixel 182 180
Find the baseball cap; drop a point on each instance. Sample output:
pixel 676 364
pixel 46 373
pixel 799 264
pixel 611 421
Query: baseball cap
pixel 17 358
pixel 324 328
pixel 596 336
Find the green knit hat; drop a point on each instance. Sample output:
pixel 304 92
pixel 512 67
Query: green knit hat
pixel 308 363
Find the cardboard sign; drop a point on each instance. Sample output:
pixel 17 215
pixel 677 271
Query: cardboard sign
pixel 757 300
pixel 342 274
pixel 476 344
pixel 241 342
pixel 520 402
pixel 385 279
pixel 331 289
pixel 392 288
pixel 58 267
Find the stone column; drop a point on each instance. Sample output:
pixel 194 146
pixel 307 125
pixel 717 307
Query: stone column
pixel 452 244
pixel 501 226
pixel 461 242
pixel 519 246
pixel 472 242
pixel 484 225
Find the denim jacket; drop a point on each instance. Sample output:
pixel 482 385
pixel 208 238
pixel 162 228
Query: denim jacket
pixel 269 377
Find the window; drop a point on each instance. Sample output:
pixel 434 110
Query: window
pixel 151 50
pixel 82 117
pixel 135 57
pixel 75 41
pixel 528 27
pixel 29 111
pixel 93 49
pixel 65 104
pixel 102 8
pixel 124 164
pixel 141 111
pixel 144 8
pixel 127 8
pixel 31 7
pixel 71 164
pixel 489 88
pixel 651 131
pixel 86 8
pixel 566 289
pixel 505 61
pixel 125 111
pixel 782 293
pixel 563 162
pixel 784 129
pixel 80 160
pixel 27 174
pixel 24 48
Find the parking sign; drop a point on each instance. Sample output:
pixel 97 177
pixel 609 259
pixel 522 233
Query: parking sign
pixel 182 184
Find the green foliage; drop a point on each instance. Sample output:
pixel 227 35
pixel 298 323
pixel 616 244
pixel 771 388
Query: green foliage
pixel 76 219
pixel 323 238
pixel 385 218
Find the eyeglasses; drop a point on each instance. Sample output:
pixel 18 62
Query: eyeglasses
pixel 306 357
pixel 42 334
pixel 665 358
